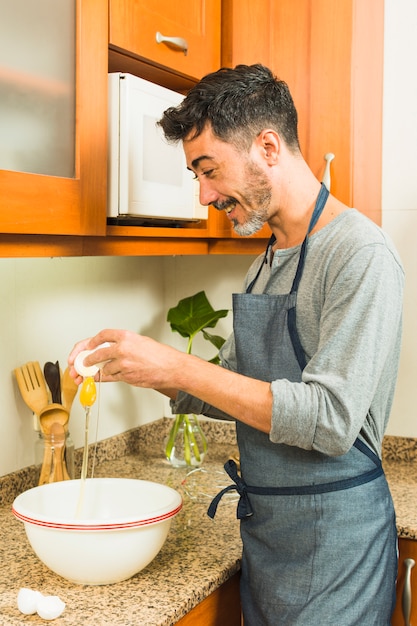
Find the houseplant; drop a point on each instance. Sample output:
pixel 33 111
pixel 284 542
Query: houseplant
pixel 186 444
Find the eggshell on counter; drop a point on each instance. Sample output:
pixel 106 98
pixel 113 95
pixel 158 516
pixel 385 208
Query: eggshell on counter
pixel 30 602
pixel 50 607
pixel 27 600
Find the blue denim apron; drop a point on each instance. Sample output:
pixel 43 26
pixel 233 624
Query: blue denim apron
pixel 318 532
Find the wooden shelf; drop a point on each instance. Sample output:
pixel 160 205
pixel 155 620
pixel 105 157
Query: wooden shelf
pixel 199 230
pixel 129 63
pixel 143 246
pixel 40 246
pixel 24 246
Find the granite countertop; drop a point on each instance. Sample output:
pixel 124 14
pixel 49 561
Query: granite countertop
pixel 199 554
pixel 400 466
pixel 197 557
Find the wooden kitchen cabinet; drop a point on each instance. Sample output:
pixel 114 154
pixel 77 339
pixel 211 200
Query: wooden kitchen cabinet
pixel 331 55
pixel 192 25
pixel 220 608
pixel 54 205
pixel 401 617
pixel 133 48
pixel 246 32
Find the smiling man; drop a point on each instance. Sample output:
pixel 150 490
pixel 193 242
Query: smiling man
pixel 216 168
pixel 308 373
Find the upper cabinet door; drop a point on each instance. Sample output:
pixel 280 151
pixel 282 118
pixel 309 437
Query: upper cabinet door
pixel 331 55
pixel 335 72
pixel 182 36
pixel 53 116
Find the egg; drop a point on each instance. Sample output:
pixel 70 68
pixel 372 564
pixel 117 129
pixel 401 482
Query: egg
pixel 50 607
pixel 88 393
pixel 85 370
pixel 89 370
pixel 30 602
pixel 27 600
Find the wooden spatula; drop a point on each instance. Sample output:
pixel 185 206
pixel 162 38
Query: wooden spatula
pixel 32 386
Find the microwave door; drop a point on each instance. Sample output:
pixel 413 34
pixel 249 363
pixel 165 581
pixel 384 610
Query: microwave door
pixel 147 177
pixel 154 181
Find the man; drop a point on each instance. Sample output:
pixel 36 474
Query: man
pixel 309 371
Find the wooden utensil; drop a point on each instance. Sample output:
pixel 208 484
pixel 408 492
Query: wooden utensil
pixel 32 386
pixel 52 375
pixel 69 390
pixel 59 468
pixel 53 420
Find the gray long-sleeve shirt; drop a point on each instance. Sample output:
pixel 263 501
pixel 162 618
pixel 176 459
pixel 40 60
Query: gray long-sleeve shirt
pixel 349 311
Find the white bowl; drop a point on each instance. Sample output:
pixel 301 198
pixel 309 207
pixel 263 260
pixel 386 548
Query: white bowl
pixel 99 531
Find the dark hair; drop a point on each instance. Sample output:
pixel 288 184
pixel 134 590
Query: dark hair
pixel 238 103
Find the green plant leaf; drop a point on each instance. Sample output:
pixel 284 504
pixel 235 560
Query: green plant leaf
pixel 216 340
pixel 192 315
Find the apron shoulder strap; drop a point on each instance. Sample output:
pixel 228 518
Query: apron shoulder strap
pixel 318 209
pixel 271 242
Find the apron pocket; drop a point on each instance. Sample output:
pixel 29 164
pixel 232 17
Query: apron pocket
pixel 280 539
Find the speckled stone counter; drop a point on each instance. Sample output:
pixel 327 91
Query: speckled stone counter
pixel 199 554
pixel 400 465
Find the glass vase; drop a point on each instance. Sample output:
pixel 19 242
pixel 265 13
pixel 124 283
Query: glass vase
pixel 186 445
pixel 46 447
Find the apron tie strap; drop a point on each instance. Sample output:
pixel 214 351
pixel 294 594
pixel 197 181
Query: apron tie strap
pixel 244 507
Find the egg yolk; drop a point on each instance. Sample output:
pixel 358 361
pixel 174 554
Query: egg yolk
pixel 88 393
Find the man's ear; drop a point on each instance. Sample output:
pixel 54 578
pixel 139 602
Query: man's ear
pixel 269 144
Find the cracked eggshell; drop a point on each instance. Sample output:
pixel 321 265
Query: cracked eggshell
pixel 27 600
pixel 84 370
pixel 50 607
pixel 90 370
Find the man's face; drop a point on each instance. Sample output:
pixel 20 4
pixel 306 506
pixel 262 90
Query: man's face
pixel 230 180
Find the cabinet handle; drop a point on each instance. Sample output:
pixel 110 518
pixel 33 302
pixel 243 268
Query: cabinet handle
pixel 173 42
pixel 406 599
pixel 326 176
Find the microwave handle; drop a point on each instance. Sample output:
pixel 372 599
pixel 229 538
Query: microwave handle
pixel 174 42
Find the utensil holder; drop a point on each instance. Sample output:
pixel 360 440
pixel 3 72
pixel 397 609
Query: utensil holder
pixel 46 449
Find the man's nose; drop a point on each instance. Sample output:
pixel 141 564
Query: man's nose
pixel 207 193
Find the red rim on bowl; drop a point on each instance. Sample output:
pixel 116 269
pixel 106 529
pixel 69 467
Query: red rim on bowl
pixel 159 516
pixel 119 526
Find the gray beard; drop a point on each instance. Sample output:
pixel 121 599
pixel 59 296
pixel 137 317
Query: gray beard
pixel 250 227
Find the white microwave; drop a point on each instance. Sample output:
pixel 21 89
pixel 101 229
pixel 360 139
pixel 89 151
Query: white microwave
pixel 148 181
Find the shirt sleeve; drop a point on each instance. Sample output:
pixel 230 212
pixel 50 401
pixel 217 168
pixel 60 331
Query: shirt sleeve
pixel 185 403
pixel 349 379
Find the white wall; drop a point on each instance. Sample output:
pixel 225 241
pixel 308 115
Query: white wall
pixel 399 189
pixel 49 304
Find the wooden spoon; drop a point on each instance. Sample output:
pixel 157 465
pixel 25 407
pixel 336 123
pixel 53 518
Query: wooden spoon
pixel 53 420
